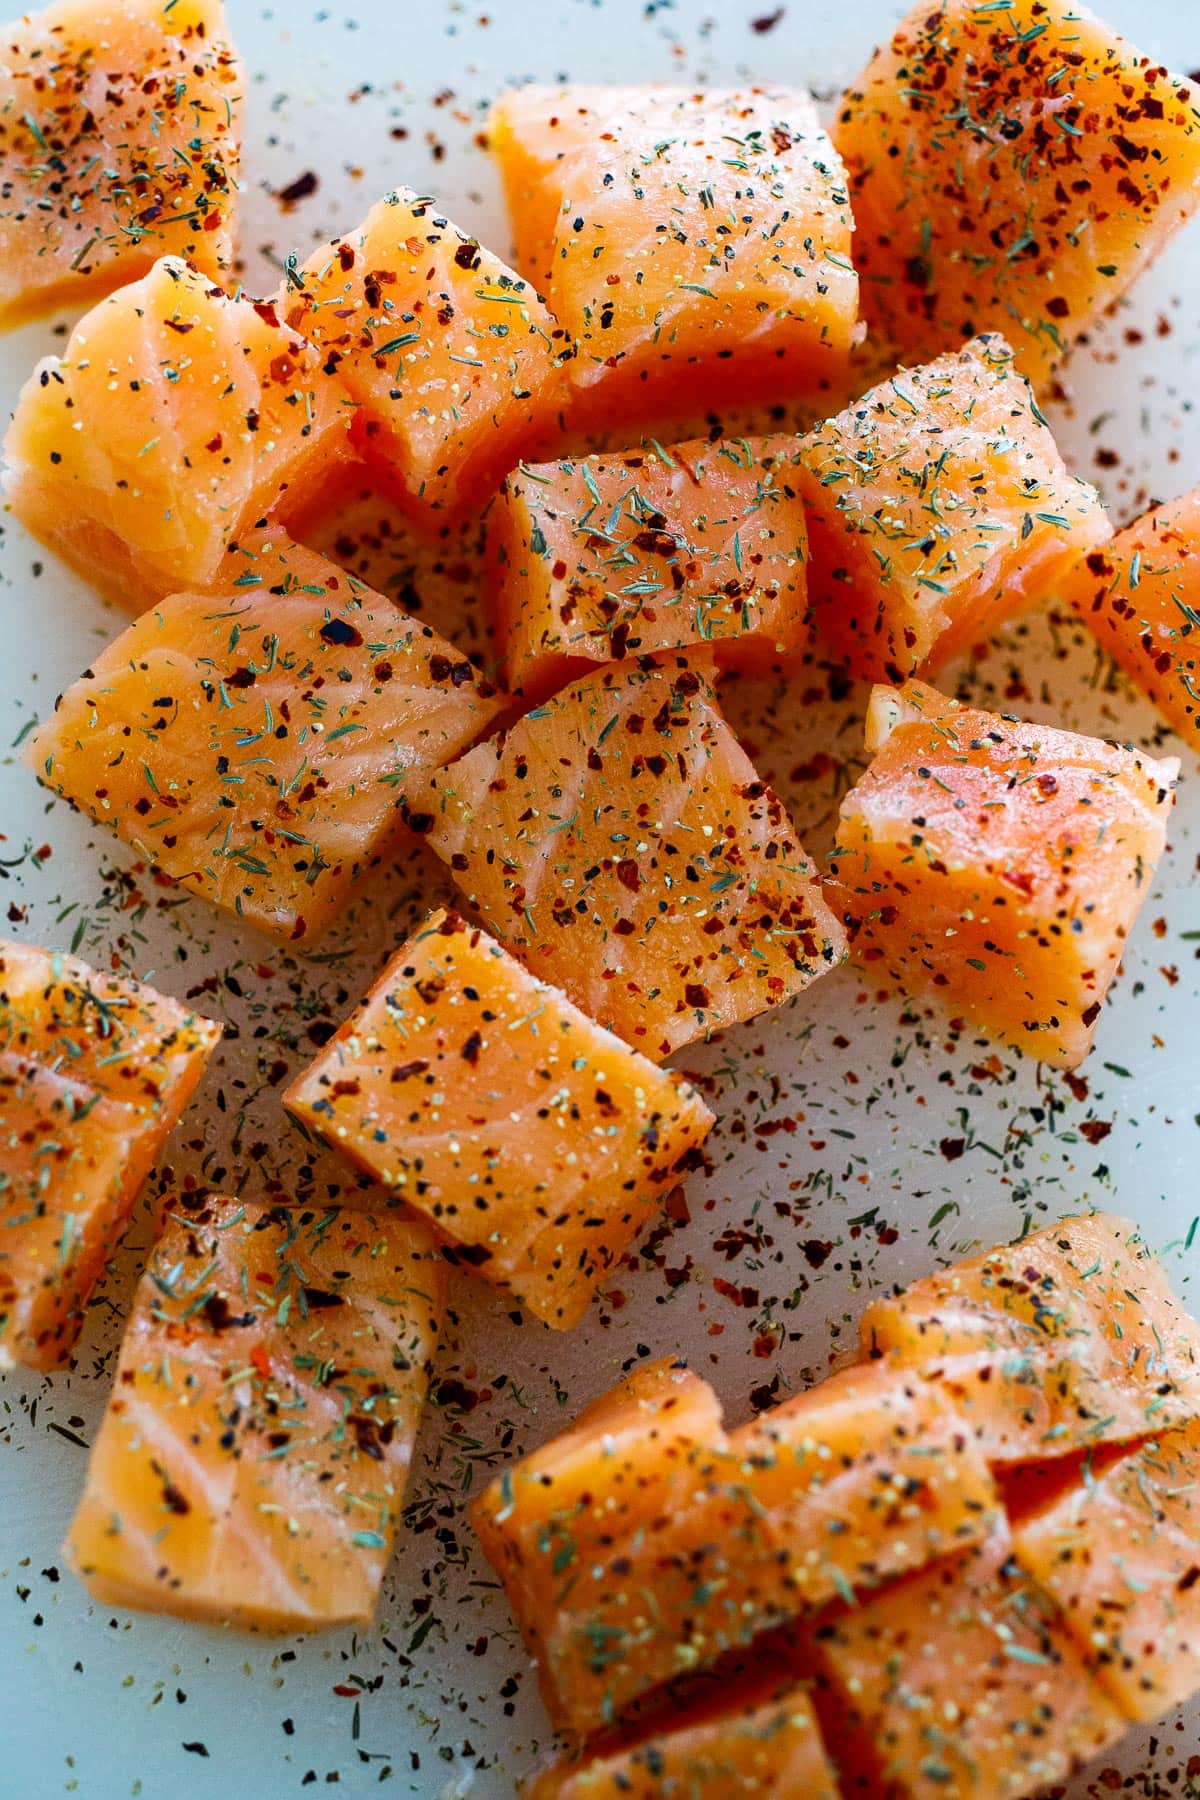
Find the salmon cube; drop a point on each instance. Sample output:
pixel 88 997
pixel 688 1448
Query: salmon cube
pixel 1012 168
pixel 1116 1541
pixel 699 245
pixel 960 1683
pixel 255 745
pixel 998 865
pixel 530 130
pixel 761 1738
pixel 1067 1340
pixel 94 1073
pixel 607 557
pixel 858 1480
pixel 120 132
pixel 251 1466
pixel 619 840
pixel 178 417
pixel 1140 597
pixel 452 361
pixel 536 1142
pixel 939 506
pixel 627 1458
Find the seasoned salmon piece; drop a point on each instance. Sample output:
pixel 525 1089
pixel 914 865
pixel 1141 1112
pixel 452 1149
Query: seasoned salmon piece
pixel 1140 597
pixel 251 1466
pixel 530 130
pixel 535 1141
pixel 619 840
pixel 998 865
pixel 700 254
pixel 939 506
pixel 761 1738
pixel 255 744
pixel 1116 1541
pixel 1012 168
pixel 620 1588
pixel 609 557
pixel 94 1072
pixel 178 417
pixel 120 139
pixel 627 1457
pixel 960 1683
pixel 1067 1340
pixel 452 361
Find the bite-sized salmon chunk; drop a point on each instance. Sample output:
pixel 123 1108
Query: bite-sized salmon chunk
pixel 699 245
pixel 255 744
pixel 535 1141
pixel 608 557
pixel 120 138
pixel 998 865
pixel 1116 1540
pixel 960 1683
pixel 453 362
pixel 639 1441
pixel 1068 1340
pixel 862 1478
pixel 759 1737
pixel 1140 597
pixel 1012 168
pixel 938 506
pixel 178 417
pixel 94 1072
pixel 251 1466
pixel 619 840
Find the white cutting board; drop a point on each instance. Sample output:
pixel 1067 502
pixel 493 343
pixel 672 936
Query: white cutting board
pixel 837 1164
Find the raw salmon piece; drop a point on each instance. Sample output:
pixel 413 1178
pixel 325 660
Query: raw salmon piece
pixel 251 1466
pixel 178 417
pixel 606 557
pixel 120 135
pixel 453 361
pixel 619 1592
pixel 1141 599
pixel 530 131
pixel 626 1458
pixel 619 840
pixel 94 1072
pixel 998 865
pixel 701 246
pixel 959 1683
pixel 255 744
pixel 1067 1340
pixel 938 506
pixel 764 1739
pixel 1116 1541
pixel 536 1142
pixel 1012 168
